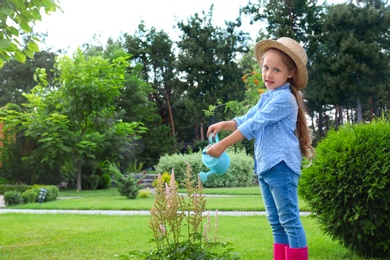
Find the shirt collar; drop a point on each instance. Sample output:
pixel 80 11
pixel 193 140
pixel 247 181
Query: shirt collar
pixel 282 87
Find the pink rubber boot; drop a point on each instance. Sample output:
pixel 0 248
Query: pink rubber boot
pixel 280 251
pixel 297 253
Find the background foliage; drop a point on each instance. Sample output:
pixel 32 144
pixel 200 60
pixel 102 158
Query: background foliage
pixel 169 84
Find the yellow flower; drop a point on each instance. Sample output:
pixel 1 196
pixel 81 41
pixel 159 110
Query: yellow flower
pixel 260 91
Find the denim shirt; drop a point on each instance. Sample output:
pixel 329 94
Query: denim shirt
pixel 272 122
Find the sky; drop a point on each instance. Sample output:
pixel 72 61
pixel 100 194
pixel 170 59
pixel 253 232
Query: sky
pixel 82 19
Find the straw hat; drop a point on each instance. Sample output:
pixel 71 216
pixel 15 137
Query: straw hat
pixel 294 50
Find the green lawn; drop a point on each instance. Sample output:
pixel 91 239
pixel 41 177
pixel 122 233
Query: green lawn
pixel 66 236
pixel 232 199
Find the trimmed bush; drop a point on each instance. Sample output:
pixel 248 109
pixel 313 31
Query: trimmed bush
pixel 239 174
pixel 12 198
pixel 348 187
pixel 29 196
pixel 20 188
pixel 52 192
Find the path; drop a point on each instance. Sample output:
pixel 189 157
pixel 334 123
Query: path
pixel 128 212
pixel 121 212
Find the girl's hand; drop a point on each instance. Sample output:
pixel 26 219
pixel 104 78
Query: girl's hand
pixel 215 128
pixel 216 150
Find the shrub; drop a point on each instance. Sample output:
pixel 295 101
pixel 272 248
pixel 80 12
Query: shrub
pixel 52 191
pixel 348 187
pixel 90 182
pixel 145 193
pixel 165 178
pixel 20 188
pixel 129 188
pixel 4 181
pixel 105 181
pixel 29 196
pixel 239 174
pixel 12 198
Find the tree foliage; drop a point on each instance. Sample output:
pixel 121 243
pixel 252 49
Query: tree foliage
pixel 23 15
pixel 207 67
pixel 17 78
pixel 353 61
pixel 347 47
pixel 74 119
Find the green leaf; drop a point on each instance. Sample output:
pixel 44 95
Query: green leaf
pixel 20 56
pixel 29 53
pixel 5 44
pixel 32 46
pixel 5 10
pixel 25 27
pixel 13 30
pixel 43 140
pixel 36 39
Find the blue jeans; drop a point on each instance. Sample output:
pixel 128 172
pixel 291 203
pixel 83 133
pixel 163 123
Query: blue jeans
pixel 279 188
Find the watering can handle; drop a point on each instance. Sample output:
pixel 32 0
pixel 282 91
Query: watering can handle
pixel 213 139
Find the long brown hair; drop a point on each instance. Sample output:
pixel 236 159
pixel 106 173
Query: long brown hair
pixel 303 132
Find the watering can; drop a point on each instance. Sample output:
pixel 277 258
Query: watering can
pixel 216 165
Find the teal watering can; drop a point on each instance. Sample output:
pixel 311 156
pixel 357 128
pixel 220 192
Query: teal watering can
pixel 216 165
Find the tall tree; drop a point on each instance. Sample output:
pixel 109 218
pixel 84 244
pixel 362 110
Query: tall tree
pixel 296 19
pixel 72 120
pixel 354 60
pixel 153 51
pixel 208 67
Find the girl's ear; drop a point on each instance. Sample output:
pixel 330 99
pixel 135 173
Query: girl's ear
pixel 291 73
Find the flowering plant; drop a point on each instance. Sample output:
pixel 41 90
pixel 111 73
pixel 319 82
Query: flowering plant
pixel 254 87
pixel 180 230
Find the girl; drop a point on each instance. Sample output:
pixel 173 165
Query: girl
pixel 278 124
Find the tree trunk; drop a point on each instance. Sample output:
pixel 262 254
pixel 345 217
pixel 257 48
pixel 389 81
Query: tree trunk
pixel 320 123
pixel 78 179
pixel 170 114
pixel 341 121
pixel 336 116
pixel 201 132
pixel 372 111
pixel 359 110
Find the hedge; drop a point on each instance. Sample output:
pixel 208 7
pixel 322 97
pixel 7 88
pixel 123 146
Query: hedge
pixel 239 174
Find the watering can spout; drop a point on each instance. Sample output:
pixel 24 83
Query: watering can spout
pixel 203 175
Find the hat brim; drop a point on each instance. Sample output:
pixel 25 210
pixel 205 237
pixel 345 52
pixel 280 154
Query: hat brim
pixel 301 75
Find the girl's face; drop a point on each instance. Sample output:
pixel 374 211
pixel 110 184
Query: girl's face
pixel 275 72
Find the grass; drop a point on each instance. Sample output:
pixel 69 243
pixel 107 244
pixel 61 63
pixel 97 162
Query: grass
pixel 238 199
pixel 66 236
